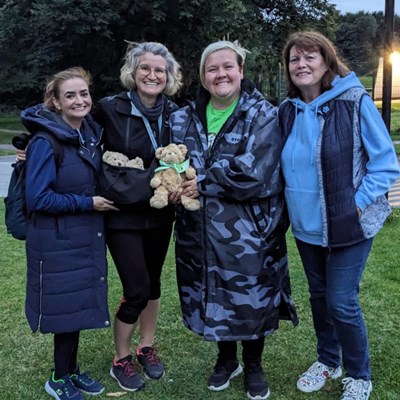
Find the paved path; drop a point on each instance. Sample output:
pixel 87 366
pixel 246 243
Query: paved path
pixel 5 173
pixel 394 195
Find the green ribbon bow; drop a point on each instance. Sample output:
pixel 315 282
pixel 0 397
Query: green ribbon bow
pixel 179 168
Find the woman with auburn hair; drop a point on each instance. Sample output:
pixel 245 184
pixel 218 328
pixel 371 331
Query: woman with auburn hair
pixel 338 162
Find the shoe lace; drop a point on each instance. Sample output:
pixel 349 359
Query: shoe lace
pixel 352 386
pixel 129 369
pixel 83 377
pixel 151 357
pixel 314 374
pixel 319 369
pixel 68 387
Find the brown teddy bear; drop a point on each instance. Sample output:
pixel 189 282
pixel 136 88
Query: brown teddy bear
pixel 121 160
pixel 168 178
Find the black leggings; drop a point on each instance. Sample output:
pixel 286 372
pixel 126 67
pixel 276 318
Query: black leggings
pixel 251 354
pixel 65 353
pixel 139 257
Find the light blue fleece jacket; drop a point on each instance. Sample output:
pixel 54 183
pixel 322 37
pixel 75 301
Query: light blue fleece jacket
pixel 299 160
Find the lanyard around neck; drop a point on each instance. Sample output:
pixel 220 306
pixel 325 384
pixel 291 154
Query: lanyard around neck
pixel 150 132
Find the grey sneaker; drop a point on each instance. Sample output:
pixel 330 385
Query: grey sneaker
pixel 315 377
pixel 356 389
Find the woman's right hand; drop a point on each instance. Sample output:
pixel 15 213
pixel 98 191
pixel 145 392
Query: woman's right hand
pixel 21 155
pixel 175 198
pixel 103 204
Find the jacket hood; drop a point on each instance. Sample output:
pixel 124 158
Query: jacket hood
pixel 306 114
pixel 41 118
pixel 339 86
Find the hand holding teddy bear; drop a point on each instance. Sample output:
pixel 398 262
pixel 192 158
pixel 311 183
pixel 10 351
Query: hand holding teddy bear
pixel 170 176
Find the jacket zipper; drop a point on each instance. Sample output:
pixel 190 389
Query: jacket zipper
pixel 41 294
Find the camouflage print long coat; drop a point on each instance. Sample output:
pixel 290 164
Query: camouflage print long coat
pixel 231 254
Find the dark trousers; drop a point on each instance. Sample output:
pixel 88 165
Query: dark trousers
pixel 139 257
pixel 251 353
pixel 65 353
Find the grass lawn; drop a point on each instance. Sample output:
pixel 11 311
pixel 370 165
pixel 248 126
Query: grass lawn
pixel 11 122
pixel 6 137
pixel 188 359
pixel 6 152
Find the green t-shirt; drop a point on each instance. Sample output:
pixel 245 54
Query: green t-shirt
pixel 216 119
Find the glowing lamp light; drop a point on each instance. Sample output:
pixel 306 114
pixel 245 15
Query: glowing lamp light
pixel 395 58
pixel 395 61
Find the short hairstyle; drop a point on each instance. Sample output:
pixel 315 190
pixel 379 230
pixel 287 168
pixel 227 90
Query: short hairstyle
pixel 314 41
pixel 52 89
pixel 222 45
pixel 133 53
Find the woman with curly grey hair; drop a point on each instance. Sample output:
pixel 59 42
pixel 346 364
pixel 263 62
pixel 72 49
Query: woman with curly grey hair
pixel 136 123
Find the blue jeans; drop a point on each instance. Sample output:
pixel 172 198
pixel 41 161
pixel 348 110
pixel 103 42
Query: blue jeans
pixel 334 277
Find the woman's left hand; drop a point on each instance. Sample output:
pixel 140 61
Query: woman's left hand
pixel 190 189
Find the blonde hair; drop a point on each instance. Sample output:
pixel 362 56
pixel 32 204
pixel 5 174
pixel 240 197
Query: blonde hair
pixel 52 89
pixel 133 53
pixel 222 45
pixel 314 41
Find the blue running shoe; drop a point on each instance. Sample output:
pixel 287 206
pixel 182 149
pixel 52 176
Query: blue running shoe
pixel 62 389
pixel 86 384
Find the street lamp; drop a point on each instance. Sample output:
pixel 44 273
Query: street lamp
pixel 387 66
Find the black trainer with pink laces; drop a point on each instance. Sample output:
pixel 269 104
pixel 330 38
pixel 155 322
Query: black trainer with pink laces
pixel 153 368
pixel 124 372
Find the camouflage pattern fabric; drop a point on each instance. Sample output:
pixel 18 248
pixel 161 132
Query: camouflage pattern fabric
pixel 231 255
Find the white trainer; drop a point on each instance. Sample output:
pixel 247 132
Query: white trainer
pixel 315 377
pixel 356 389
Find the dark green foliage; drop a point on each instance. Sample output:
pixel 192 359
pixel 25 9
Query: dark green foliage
pixel 41 37
pixel 355 38
pixel 360 40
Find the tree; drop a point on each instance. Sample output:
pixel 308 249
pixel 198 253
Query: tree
pixel 282 17
pixel 40 37
pixel 355 39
